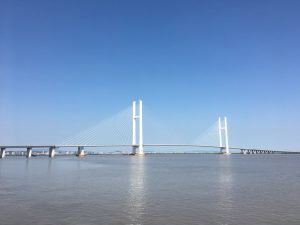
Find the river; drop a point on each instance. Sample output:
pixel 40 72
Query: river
pixel 155 189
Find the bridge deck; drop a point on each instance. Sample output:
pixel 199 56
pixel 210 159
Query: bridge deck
pixel 145 145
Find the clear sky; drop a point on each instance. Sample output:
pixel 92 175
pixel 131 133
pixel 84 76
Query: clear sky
pixel 65 65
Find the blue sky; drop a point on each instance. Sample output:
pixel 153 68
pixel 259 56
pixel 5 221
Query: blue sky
pixel 65 65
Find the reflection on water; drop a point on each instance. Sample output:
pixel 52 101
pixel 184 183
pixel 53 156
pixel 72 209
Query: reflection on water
pixel 27 166
pixel 136 203
pixel 49 165
pixel 224 190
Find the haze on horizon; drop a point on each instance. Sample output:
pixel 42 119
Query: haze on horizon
pixel 66 65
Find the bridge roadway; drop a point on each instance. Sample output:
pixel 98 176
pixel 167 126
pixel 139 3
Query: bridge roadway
pixel 81 147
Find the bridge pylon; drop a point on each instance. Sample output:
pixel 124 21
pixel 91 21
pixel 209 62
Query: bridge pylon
pixel 223 129
pixel 137 148
pixel 2 153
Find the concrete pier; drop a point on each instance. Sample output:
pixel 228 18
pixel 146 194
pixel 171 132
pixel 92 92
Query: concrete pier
pixel 80 151
pixel 258 151
pixel 29 152
pixel 51 152
pixel 2 153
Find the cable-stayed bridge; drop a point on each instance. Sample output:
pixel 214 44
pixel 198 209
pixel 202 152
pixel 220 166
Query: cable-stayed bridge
pixel 127 130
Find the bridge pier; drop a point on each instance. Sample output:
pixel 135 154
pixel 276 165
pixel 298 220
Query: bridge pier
pixel 257 151
pixel 51 152
pixel 2 153
pixel 80 151
pixel 221 150
pixel 29 152
pixel 134 150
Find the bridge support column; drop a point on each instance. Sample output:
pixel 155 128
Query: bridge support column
pixel 80 151
pixel 141 138
pixel 225 128
pixel 137 149
pixel 220 136
pixel 226 137
pixel 222 150
pixel 2 153
pixel 29 152
pixel 51 152
pixel 134 117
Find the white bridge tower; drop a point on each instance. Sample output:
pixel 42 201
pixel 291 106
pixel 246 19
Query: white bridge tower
pixel 137 149
pixel 223 129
